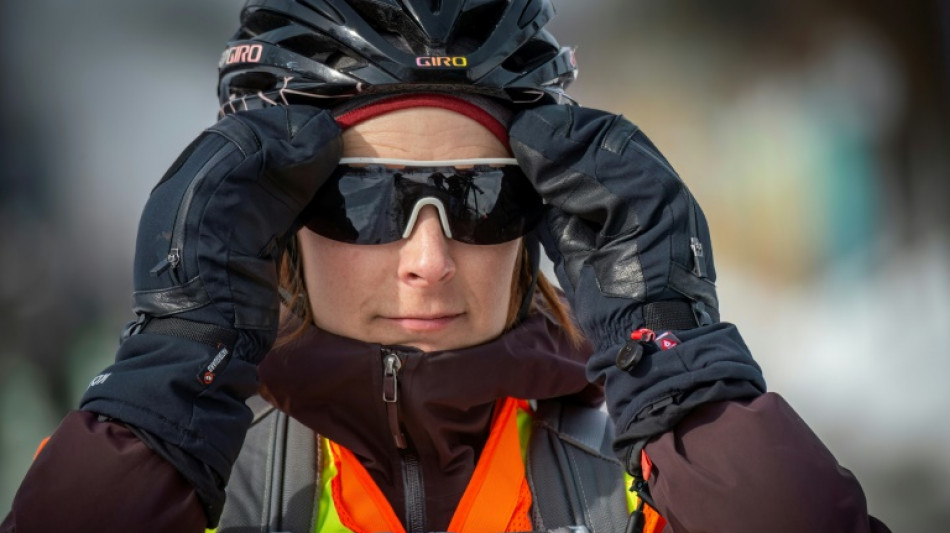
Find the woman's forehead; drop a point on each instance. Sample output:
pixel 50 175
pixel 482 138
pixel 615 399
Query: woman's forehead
pixel 421 133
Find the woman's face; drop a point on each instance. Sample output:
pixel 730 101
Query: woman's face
pixel 425 291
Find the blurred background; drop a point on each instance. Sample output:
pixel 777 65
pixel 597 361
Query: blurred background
pixel 816 134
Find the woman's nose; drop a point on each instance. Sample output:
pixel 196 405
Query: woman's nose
pixel 425 257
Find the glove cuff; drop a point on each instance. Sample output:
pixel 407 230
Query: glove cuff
pixel 160 386
pixel 651 385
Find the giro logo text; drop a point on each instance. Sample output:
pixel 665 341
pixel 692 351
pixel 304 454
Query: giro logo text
pixel 442 61
pixel 244 53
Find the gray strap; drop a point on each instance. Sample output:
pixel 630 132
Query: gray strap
pixel 572 472
pixel 273 486
pixel 299 489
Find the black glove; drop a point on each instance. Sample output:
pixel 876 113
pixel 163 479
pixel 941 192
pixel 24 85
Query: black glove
pixel 631 249
pixel 205 279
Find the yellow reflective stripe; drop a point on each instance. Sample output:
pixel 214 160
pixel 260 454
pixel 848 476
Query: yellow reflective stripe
pixel 653 521
pixel 632 499
pixel 328 520
pixel 524 417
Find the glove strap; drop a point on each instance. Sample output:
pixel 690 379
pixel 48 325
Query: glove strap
pixel 676 315
pixel 176 327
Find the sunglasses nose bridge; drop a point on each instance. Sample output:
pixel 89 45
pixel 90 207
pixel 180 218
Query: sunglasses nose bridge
pixel 417 208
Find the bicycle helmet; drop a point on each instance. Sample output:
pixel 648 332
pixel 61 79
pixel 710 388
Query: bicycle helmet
pixel 318 52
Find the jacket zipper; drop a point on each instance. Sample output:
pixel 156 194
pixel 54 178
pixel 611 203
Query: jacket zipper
pixel 173 260
pixel 698 258
pixel 414 492
pixel 391 366
pixel 700 268
pixel 413 488
pixel 695 245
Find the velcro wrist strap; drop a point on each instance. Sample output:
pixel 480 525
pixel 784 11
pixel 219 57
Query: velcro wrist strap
pixel 196 331
pixel 669 315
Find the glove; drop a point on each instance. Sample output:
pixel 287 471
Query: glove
pixel 631 249
pixel 205 278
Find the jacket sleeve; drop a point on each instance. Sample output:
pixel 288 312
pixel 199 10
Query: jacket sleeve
pixel 97 476
pixel 753 466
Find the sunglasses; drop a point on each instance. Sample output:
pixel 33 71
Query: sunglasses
pixel 377 201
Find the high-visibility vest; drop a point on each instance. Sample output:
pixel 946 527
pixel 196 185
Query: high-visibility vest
pixel 542 470
pixel 497 498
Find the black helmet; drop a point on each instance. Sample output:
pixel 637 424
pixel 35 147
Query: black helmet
pixel 319 51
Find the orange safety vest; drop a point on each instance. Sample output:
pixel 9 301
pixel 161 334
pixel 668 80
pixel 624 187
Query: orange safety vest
pixel 497 498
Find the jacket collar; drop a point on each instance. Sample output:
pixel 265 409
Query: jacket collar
pixel 335 386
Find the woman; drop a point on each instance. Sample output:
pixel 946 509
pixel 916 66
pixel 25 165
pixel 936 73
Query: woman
pixel 418 327
pixel 416 324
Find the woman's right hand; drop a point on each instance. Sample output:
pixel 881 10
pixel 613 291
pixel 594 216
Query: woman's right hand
pixel 205 276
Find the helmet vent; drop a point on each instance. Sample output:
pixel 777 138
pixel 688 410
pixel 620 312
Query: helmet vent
pixel 378 14
pixel 258 22
pixel 393 24
pixel 312 46
pixel 321 50
pixel 343 62
pixel 475 25
pixel 532 54
pixel 247 83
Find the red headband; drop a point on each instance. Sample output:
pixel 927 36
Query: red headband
pixel 470 110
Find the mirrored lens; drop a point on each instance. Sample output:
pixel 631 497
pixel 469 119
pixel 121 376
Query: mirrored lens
pixel 372 204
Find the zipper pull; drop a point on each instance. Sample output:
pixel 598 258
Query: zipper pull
pixel 171 261
pixel 698 262
pixel 632 352
pixel 391 366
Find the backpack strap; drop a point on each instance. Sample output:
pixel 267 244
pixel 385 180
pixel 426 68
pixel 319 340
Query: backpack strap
pixel 273 485
pixel 573 473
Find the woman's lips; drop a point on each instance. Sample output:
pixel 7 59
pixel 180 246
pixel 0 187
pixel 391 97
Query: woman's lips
pixel 422 324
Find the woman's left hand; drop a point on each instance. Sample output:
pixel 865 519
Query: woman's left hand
pixel 631 249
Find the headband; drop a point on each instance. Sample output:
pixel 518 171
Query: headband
pixel 492 115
